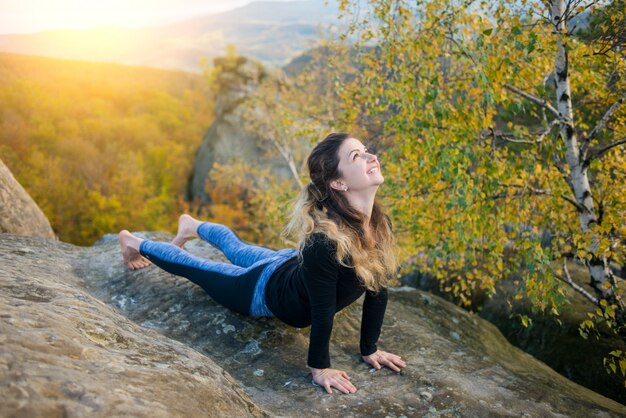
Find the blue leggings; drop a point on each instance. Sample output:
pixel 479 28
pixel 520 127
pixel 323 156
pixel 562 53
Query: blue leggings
pixel 239 286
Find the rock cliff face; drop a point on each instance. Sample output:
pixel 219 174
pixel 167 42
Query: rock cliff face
pixel 81 335
pixel 226 138
pixel 19 214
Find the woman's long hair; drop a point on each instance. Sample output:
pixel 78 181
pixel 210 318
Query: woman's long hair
pixel 320 208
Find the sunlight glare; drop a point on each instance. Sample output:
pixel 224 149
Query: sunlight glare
pixel 36 15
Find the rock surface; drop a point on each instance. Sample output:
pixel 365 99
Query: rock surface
pixel 19 214
pixel 65 353
pixel 61 348
pixel 559 345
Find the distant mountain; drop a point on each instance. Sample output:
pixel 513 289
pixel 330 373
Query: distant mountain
pixel 272 32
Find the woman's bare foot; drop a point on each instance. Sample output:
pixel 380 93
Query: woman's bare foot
pixel 187 229
pixel 130 251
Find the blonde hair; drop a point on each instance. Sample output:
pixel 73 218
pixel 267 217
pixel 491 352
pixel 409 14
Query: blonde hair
pixel 320 208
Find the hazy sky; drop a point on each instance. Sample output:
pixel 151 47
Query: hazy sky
pixel 23 16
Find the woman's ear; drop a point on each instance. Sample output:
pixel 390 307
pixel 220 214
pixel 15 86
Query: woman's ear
pixel 337 185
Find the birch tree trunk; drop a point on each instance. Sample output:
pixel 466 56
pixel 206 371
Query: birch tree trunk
pixel 598 264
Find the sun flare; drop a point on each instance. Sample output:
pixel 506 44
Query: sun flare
pixel 37 15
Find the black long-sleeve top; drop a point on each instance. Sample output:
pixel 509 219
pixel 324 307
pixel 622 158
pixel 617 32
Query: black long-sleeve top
pixel 310 292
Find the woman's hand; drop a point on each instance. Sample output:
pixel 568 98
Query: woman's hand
pixel 328 378
pixel 382 358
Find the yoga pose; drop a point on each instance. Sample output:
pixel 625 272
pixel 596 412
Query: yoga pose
pixel 345 249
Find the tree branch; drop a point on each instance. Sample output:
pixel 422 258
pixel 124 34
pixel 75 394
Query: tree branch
pixel 547 130
pixel 572 12
pixel 532 98
pixel 598 152
pixel 531 191
pixel 568 279
pixel 522 186
pixel 579 208
pixel 603 121
pixel 516 141
pixel 606 117
pixel 511 138
pixel 461 50
pixel 504 195
pixel 559 166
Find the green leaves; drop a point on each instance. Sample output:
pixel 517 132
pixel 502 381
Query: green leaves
pixel 615 362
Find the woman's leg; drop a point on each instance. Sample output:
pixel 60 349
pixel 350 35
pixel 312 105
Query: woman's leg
pixel 227 241
pixel 227 284
pixel 223 238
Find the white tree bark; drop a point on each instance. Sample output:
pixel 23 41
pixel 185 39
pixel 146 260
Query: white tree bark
pixel 598 266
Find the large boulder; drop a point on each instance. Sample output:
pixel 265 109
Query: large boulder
pixel 227 139
pixel 158 337
pixel 66 353
pixel 19 214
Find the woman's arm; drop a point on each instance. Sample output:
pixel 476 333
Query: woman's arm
pixel 374 307
pixel 321 269
pixel 320 277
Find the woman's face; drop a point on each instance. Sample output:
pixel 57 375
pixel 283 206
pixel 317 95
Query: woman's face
pixel 358 168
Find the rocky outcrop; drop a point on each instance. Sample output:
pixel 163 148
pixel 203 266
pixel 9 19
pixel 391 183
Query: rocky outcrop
pixel 19 214
pixel 66 353
pixel 555 341
pixel 81 335
pixel 558 342
pixel 227 138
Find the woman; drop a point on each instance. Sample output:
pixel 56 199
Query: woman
pixel 345 249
